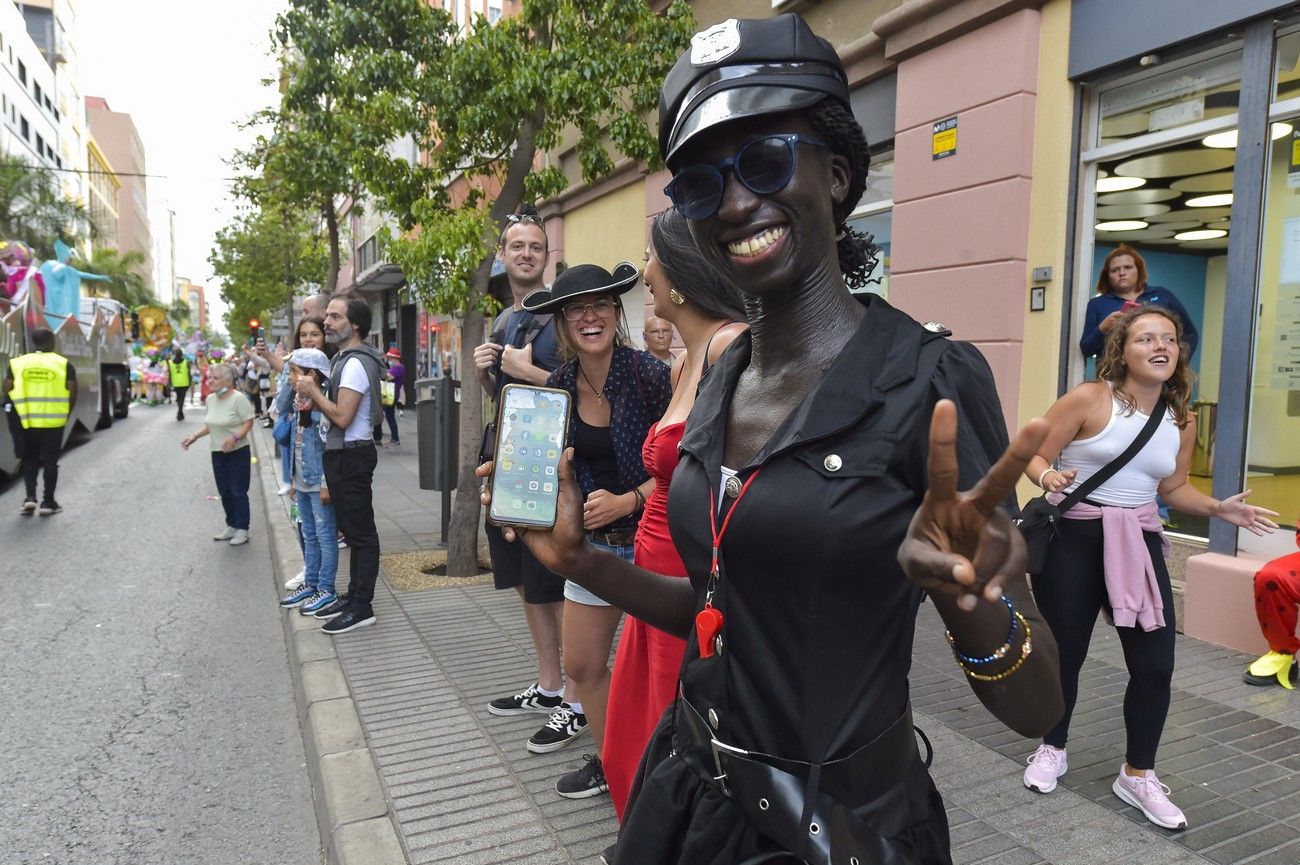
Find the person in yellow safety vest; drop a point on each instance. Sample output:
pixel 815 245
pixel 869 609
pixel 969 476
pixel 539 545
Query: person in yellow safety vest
pixel 178 368
pixel 42 385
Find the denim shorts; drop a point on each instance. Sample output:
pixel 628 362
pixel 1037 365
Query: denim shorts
pixel 579 595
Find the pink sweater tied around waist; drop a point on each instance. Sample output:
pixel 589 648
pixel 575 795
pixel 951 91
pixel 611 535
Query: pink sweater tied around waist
pixel 1130 576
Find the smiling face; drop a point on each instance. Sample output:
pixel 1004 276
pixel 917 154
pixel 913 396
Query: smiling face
pixel 592 333
pixel 1151 349
pixel 523 253
pixel 770 244
pixel 310 335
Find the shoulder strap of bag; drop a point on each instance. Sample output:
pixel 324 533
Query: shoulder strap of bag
pixel 1105 472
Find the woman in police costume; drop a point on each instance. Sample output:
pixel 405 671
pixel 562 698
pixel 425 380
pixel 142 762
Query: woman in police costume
pixel 811 446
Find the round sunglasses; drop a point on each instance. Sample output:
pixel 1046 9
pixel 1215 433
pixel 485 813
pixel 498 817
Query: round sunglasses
pixel 765 165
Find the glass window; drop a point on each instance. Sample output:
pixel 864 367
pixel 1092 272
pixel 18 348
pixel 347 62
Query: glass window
pixel 1188 94
pixel 1286 68
pixel 874 216
pixel 1273 443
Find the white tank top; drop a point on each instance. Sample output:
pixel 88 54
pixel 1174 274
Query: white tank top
pixel 1135 484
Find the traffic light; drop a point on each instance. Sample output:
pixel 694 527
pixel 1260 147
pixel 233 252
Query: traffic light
pixel 254 324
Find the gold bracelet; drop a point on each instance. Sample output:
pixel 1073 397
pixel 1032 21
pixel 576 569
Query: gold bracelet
pixel 1025 649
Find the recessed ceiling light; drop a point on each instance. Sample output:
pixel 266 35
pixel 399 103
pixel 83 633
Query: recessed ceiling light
pixel 1228 138
pixel 1121 225
pixel 1200 234
pixel 1118 184
pixel 1218 199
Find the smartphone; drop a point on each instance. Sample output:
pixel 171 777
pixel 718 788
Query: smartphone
pixel 1129 304
pixel 532 428
pixel 252 341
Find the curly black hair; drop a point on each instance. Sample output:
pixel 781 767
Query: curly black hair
pixel 838 127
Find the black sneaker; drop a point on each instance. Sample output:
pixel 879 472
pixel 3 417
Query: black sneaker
pixel 349 620
pixel 334 609
pixel 564 726
pixel 49 507
pixel 29 507
pixel 581 783
pixel 531 700
pixel 607 858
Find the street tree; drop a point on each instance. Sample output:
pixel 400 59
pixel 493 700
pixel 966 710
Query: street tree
pixel 34 210
pixel 263 257
pixel 482 104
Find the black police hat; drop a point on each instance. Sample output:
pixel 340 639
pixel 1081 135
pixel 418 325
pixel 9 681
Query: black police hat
pixel 581 281
pixel 743 68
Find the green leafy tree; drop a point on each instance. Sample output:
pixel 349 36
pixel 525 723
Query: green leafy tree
pixel 264 257
pixel 33 209
pixel 126 283
pixel 180 313
pixel 482 105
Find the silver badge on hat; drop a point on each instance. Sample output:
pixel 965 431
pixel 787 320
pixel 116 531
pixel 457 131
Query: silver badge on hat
pixel 716 43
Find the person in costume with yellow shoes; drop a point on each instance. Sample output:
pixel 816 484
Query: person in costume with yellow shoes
pixel 42 385
pixel 1277 600
pixel 178 372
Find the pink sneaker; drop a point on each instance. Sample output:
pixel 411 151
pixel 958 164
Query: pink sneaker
pixel 1045 766
pixel 1150 797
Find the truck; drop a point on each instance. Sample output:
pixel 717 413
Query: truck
pixel 95 342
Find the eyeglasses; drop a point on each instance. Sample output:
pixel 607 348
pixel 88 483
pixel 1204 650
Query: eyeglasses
pixel 577 311
pixel 764 165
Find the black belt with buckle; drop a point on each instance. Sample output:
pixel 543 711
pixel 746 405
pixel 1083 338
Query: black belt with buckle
pixel 613 539
pixel 807 808
pixel 359 443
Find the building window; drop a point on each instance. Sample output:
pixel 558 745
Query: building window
pixel 22 73
pixel 24 129
pixel 875 216
pixel 37 95
pixel 40 145
pixel 494 13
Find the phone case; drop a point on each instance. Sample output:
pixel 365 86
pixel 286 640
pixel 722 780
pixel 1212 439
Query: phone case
pixel 532 427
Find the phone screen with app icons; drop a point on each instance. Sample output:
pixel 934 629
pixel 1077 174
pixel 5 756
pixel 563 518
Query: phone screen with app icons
pixel 532 426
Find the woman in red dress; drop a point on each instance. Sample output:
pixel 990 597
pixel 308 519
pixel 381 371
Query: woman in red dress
pixel 706 311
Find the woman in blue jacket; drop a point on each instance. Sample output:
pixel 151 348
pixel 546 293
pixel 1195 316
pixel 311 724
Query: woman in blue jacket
pixel 1122 285
pixel 320 551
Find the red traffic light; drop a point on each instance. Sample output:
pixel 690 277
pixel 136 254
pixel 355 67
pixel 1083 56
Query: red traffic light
pixel 254 323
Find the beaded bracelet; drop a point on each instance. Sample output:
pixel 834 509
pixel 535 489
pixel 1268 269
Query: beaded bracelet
pixel 1025 649
pixel 640 499
pixel 1000 652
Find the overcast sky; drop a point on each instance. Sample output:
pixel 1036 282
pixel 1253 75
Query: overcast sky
pixel 188 73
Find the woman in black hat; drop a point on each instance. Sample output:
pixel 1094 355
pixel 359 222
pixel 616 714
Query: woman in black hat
pixel 815 504
pixel 618 394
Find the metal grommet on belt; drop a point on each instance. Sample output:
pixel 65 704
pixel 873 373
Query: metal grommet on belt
pixel 853 860
pixel 814 829
pixel 732 487
pixel 763 804
pixel 717 645
pixel 833 462
pixel 713 719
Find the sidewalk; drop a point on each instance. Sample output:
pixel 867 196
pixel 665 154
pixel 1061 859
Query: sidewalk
pixel 458 785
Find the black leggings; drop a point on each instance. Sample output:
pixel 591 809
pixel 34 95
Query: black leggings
pixel 1070 593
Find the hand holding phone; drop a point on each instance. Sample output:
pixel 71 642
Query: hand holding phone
pixel 531 434
pixel 1129 304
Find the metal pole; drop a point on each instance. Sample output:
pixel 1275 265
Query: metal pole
pixel 1240 313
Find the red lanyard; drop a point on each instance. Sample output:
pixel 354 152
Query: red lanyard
pixel 708 622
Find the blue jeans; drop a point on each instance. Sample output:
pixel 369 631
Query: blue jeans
pixel 286 455
pixel 232 472
pixel 579 595
pixel 320 549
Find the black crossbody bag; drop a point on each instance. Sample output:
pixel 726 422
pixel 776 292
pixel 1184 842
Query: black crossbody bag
pixel 1039 517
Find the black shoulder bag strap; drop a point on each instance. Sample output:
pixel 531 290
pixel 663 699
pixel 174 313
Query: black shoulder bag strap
pixel 1105 473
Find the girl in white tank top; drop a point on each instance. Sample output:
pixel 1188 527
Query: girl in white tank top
pixel 1136 483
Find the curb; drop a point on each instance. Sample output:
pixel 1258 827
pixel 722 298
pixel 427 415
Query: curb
pixel 356 825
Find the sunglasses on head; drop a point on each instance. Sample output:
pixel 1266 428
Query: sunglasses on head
pixel 764 165
pixel 524 217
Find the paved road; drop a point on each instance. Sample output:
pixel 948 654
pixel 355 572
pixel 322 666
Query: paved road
pixel 146 710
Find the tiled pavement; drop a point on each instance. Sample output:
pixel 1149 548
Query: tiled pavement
pixel 463 789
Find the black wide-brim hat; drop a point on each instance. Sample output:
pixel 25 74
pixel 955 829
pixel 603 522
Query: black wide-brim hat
pixel 746 68
pixel 581 281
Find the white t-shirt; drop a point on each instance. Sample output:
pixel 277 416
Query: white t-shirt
pixel 353 377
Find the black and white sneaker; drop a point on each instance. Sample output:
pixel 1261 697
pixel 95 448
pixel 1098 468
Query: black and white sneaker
pixel 349 620
pixel 530 701
pixel 29 507
pixel 581 783
pixel 564 726
pixel 335 609
pixel 49 508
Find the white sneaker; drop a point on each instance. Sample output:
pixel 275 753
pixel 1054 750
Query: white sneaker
pixel 296 580
pixel 1149 796
pixel 1045 766
pixel 284 490
pixel 224 535
pixel 239 537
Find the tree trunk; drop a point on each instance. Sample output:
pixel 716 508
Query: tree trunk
pixel 332 229
pixel 462 532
